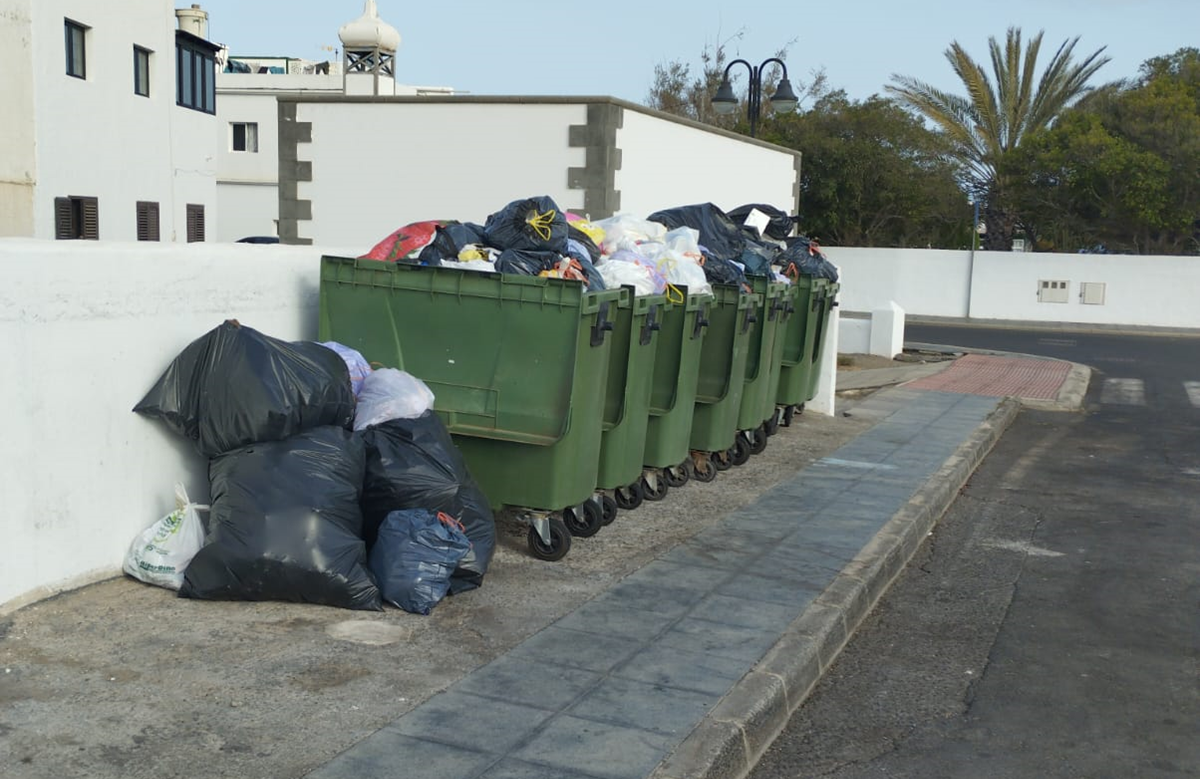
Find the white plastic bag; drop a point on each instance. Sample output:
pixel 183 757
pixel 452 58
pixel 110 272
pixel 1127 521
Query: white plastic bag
pixel 161 553
pixel 389 394
pixel 357 364
pixel 624 231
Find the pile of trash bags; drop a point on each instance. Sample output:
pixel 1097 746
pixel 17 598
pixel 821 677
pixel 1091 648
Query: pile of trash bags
pixel 691 246
pixel 331 482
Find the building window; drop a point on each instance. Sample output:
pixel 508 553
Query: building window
pixel 196 72
pixel 195 223
pixel 76 217
pixel 141 71
pixel 245 136
pixel 76 40
pixel 147 221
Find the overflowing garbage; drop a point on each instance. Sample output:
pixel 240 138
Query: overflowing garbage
pixel 310 451
pixel 690 246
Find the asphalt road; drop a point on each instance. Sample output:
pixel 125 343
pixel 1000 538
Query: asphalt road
pixel 1049 627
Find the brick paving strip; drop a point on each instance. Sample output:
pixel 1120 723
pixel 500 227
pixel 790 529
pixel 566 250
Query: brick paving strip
pixel 689 666
pixel 979 374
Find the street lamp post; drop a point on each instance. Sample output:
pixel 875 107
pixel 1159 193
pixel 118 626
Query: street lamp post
pixel 784 99
pixel 974 201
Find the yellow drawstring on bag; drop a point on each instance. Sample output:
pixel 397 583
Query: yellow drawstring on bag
pixel 541 223
pixel 675 295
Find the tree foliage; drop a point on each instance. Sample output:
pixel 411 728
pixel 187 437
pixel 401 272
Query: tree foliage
pixel 998 112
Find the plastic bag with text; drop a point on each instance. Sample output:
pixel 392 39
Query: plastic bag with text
pixel 161 553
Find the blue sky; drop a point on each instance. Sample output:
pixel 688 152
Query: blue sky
pixel 518 47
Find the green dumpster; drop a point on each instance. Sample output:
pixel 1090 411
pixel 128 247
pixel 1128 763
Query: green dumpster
pixel 673 395
pixel 785 314
pixel 796 363
pixel 827 300
pixel 517 364
pixel 720 380
pixel 626 407
pixel 758 398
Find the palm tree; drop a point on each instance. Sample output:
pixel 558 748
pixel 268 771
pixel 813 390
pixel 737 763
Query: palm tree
pixel 992 120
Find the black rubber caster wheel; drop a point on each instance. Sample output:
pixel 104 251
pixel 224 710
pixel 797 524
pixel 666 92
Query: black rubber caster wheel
pixel 771 426
pixel 758 441
pixel 722 461
pixel 629 498
pixel 608 509
pixel 740 453
pixel 706 471
pixel 789 412
pixel 677 476
pixel 560 542
pixel 584 521
pixel 656 492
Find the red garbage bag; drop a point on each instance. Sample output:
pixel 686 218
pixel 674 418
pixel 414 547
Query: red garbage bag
pixel 406 243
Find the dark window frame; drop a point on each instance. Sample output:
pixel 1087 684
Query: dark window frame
pixel 249 137
pixel 195 223
pixel 77 218
pixel 72 28
pixel 147 221
pixel 141 69
pixel 195 73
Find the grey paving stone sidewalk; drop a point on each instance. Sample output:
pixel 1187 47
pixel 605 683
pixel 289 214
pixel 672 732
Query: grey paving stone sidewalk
pixel 609 690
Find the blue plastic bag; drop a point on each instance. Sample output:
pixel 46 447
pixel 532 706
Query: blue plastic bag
pixel 416 552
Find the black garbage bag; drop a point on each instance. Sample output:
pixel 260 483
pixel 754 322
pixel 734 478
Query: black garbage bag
pixel 719 271
pixel 780 226
pixel 718 233
pixel 413 463
pixel 285 524
pixel 449 240
pixel 526 262
pixel 757 258
pixel 584 240
pixel 235 386
pixel 803 257
pixel 536 224
pixel 577 251
pixel 416 552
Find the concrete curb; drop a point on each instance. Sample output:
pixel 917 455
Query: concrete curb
pixel 1056 327
pixel 730 740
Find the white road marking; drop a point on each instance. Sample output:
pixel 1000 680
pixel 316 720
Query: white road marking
pixel 1193 392
pixel 1024 547
pixel 854 464
pixel 1124 392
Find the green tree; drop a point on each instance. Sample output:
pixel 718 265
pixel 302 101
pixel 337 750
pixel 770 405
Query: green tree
pixel 873 175
pixel 1122 170
pixel 985 127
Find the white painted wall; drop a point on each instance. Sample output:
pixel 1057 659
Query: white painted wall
pixel 1152 291
pixel 87 328
pixel 18 163
pixel 145 149
pixel 379 166
pixel 246 210
pixel 666 164
pixel 247 182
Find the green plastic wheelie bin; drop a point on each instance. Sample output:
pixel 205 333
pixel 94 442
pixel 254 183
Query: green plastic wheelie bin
pixel 785 313
pixel 758 397
pixel 827 300
pixel 635 342
pixel 720 379
pixel 517 365
pixel 673 395
pixel 796 364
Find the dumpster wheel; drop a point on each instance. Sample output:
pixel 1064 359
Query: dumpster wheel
pixel 608 509
pixel 704 467
pixel 758 440
pixel 678 475
pixel 771 425
pixel 722 460
pixel 739 453
pixel 558 546
pixel 789 412
pixel 654 486
pixel 629 498
pixel 583 521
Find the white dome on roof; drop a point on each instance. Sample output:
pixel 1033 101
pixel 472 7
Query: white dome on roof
pixel 369 32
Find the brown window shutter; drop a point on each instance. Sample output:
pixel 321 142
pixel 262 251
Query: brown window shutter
pixel 64 219
pixel 147 221
pixel 90 207
pixel 195 223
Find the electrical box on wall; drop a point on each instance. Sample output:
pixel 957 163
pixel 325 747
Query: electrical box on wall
pixel 1091 293
pixel 1053 291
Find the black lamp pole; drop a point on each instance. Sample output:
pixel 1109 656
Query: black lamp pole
pixel 784 98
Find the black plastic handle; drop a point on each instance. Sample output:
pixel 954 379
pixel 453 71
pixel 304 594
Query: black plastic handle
pixel 651 325
pixel 701 322
pixel 603 325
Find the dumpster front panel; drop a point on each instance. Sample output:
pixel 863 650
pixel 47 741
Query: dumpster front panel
pixel 796 361
pixel 759 394
pixel 826 298
pixel 676 376
pixel 635 345
pixel 721 377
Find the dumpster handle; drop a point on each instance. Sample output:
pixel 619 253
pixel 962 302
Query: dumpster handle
pixel 776 307
pixel 651 325
pixel 750 319
pixel 602 326
pixel 701 322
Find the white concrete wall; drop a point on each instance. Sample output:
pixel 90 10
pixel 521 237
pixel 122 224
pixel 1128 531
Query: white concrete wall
pixel 87 328
pixel 666 164
pixel 1151 291
pixel 379 166
pixel 246 210
pixel 96 137
pixel 18 163
pixel 243 166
